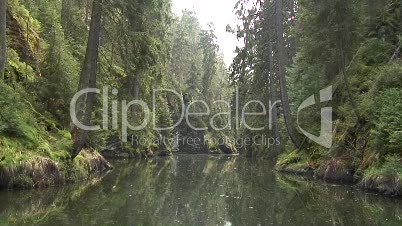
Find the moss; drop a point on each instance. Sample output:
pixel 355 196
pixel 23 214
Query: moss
pixel 16 68
pixel 24 32
pixel 42 172
pixel 385 177
pixel 33 152
pixel 315 164
pixel 287 159
pixel 296 163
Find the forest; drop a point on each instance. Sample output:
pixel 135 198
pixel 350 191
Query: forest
pixel 314 90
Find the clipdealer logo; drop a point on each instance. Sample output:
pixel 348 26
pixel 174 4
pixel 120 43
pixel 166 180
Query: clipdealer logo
pixel 326 135
pixel 120 113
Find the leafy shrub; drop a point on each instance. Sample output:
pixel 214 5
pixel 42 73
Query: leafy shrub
pixel 388 123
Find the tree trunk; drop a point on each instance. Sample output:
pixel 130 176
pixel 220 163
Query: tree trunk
pixel 272 99
pixel 3 38
pixel 282 72
pixel 85 106
pixel 292 39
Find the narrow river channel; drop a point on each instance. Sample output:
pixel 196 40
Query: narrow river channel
pixel 198 190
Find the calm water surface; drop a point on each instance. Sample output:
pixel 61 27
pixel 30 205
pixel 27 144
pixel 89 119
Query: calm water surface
pixel 198 190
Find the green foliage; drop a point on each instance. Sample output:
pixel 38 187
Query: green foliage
pixel 163 117
pixel 376 52
pixel 387 133
pixel 60 66
pixel 387 77
pixel 351 46
pixel 210 48
pixel 342 43
pixel 293 162
pixel 23 132
pixel 16 118
pixel 333 50
pixel 186 53
pixel 286 159
pixel 390 168
pixel 28 27
pixel 23 13
pixel 18 70
pixel 385 22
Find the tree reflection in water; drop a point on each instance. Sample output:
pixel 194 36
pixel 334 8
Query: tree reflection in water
pixel 198 190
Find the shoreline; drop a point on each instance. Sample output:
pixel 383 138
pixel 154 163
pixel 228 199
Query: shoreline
pixel 380 188
pixel 41 172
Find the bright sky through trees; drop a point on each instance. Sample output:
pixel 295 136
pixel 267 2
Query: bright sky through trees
pixel 220 13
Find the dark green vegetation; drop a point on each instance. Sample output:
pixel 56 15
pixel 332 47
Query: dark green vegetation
pixel 292 49
pixel 353 46
pixel 198 190
pixel 52 49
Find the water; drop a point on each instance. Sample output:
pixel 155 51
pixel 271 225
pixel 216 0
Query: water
pixel 198 190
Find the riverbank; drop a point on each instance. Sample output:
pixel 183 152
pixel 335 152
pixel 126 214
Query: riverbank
pixel 384 178
pixel 44 162
pixel 34 150
pixel 40 172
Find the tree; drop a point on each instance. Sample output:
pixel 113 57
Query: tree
pixel 210 49
pixel 186 53
pixel 282 72
pixel 3 38
pixel 272 97
pixel 85 106
pixel 142 40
